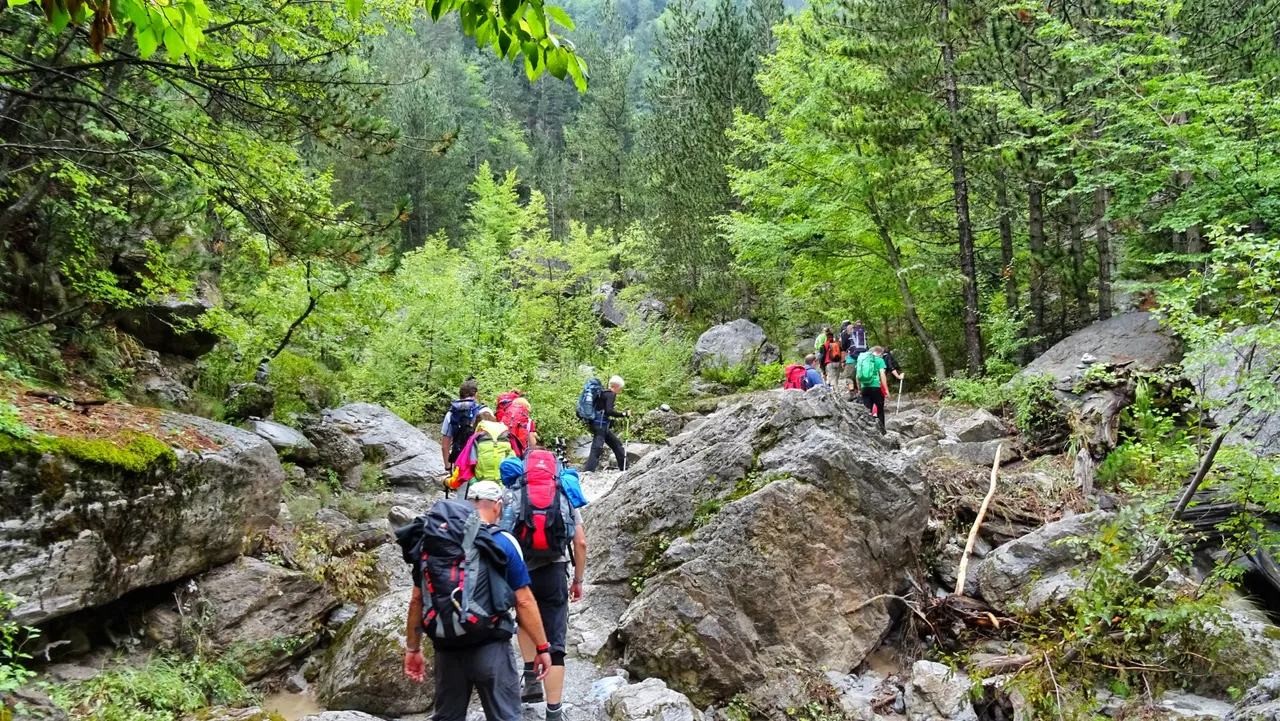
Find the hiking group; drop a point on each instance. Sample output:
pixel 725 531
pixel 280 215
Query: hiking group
pixel 504 558
pixel 844 356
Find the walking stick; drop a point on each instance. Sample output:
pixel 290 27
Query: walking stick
pixel 899 408
pixel 626 438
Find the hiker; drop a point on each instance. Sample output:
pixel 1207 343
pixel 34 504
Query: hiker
pixel 811 375
pixel 872 381
pixel 832 359
pixel 482 455
pixel 822 338
pixel 857 339
pixel 522 431
pixel 459 423
pixel 547 523
pixel 602 424
pixel 844 336
pixel 891 365
pixel 471 650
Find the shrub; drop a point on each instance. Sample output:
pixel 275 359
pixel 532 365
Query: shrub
pixel 13 670
pixel 162 690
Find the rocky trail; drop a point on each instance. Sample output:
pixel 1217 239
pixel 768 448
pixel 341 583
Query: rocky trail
pixel 768 555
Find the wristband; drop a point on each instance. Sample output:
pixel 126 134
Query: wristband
pixel 413 650
pixel 544 648
pixel 577 580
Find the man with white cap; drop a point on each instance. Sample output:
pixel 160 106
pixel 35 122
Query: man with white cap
pixel 489 668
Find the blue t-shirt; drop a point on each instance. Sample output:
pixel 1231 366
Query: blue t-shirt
pixel 517 573
pixel 812 377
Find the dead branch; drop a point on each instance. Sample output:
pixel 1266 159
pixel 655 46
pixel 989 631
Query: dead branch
pixel 977 524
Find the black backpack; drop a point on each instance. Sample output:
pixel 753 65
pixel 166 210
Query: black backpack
pixel 466 598
pixel 462 423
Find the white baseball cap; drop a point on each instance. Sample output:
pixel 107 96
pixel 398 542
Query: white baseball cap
pixel 484 491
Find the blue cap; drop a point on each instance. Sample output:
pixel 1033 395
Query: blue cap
pixel 511 470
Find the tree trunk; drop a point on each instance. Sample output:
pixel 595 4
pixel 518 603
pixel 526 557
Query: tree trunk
pixel 1079 282
pixel 1006 243
pixel 1104 253
pixel 960 184
pixel 1035 236
pixel 909 300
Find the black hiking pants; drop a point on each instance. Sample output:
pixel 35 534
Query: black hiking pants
pixel 489 670
pixel 603 435
pixel 873 399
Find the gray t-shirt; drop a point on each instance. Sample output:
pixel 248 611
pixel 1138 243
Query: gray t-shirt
pixel 533 563
pixel 448 416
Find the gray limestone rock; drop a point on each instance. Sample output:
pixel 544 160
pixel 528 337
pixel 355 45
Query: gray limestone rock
pixel 732 344
pixel 1135 338
pixel 1025 573
pixel 364 669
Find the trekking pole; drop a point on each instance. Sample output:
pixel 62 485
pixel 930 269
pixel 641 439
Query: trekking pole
pixel 626 438
pixel 899 408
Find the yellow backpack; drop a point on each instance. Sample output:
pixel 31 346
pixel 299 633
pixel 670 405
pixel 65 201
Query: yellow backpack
pixel 492 448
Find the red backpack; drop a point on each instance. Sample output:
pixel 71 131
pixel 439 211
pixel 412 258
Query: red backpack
pixel 544 522
pixel 795 376
pixel 503 405
pixel 519 426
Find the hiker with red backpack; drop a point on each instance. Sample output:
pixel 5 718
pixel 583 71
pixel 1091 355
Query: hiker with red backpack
pixel 542 512
pixel 483 453
pixel 471 592
pixel 803 377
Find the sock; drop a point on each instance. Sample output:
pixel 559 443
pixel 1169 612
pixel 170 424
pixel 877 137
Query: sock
pixel 528 670
pixel 553 712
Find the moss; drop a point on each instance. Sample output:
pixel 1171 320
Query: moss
pixel 129 450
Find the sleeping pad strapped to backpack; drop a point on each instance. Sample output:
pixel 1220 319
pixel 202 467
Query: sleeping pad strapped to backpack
pixel 466 599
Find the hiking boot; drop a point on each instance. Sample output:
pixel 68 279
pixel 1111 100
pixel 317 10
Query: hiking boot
pixel 531 692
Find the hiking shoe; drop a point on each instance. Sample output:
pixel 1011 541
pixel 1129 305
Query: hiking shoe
pixel 532 690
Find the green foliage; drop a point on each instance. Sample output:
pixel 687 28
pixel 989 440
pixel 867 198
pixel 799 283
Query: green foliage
pixel 164 689
pixel 738 376
pixel 350 574
pixel 10 424
pixel 1037 411
pixel 13 660
pixel 129 450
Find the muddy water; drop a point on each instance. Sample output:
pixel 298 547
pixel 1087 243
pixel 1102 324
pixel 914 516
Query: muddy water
pixel 292 706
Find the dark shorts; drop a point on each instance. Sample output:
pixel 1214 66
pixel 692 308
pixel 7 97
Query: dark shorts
pixel 550 587
pixel 489 670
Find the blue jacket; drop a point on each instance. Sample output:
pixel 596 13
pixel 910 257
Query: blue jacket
pixel 812 377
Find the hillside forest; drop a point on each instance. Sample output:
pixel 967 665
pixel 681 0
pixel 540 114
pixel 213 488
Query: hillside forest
pixel 372 201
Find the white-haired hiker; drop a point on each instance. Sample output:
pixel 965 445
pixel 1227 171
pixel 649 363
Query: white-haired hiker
pixel 601 430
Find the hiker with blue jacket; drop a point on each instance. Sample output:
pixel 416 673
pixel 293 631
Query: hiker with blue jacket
pixel 602 426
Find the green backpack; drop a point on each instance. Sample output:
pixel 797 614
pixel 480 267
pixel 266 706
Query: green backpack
pixel 868 370
pixel 492 448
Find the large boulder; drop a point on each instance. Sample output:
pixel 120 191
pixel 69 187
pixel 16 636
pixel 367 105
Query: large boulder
pixel 1220 379
pixel 261 614
pixel 610 315
pixel 1260 703
pixel 84 524
pixel 403 452
pixel 334 448
pixel 288 442
pixel 758 539
pixel 650 700
pixel 364 669
pixel 1135 338
pixel 249 400
pixel 732 344
pixel 938 693
pixel 169 325
pixel 1042 566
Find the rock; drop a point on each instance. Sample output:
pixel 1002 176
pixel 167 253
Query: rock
pixel 650 308
pixel 1026 572
pixel 229 713
pixel 385 438
pixel 296 683
pixel 400 516
pixel 364 669
pixel 635 451
pixel 947 564
pixel 732 344
pixel 1260 703
pixel 340 716
pixel 167 326
pixel 702 388
pixel 980 426
pixel 29 704
pixel 650 700
pixel 161 380
pixel 979 453
pixel 602 689
pixel 334 449
pixel 937 693
pixel 289 443
pixel 262 615
pixel 746 490
pixel 912 424
pixel 1187 706
pixel 75 535
pixel 594 619
pixel 1135 338
pixel 667 422
pixel 422 472
pixel 391 568
pixel 603 307
pixel 365 536
pixel 249 400
pixel 341 615
pixel 769 353
pixel 1219 381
